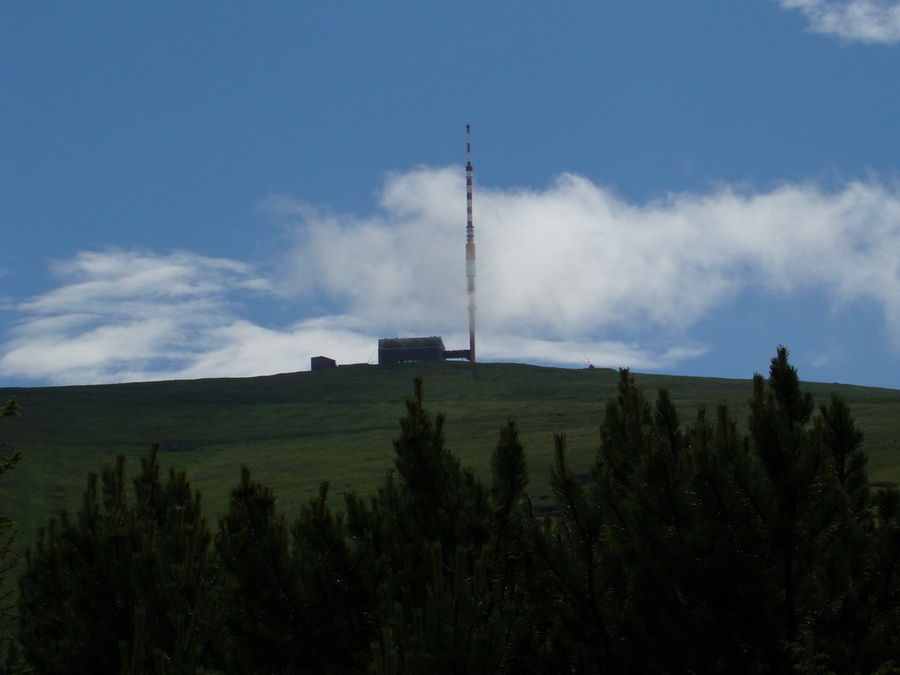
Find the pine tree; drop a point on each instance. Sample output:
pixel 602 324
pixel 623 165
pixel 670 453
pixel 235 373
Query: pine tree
pixel 338 587
pixel 843 441
pixel 125 586
pixel 444 555
pixel 510 511
pixel 9 557
pixel 460 629
pixel 300 598
pixel 443 501
pixel 429 499
pixel 878 639
pixel 809 528
pixel 702 548
pixel 578 589
pixel 642 496
pixel 691 547
pixel 262 579
pixel 799 506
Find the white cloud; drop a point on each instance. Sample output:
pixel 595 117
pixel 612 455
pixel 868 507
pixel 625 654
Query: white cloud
pixel 123 315
pixel 870 21
pixel 244 349
pixel 574 261
pixel 571 274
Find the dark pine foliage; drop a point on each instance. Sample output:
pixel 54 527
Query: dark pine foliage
pixel 127 585
pixel 9 459
pixel 297 600
pixel 695 547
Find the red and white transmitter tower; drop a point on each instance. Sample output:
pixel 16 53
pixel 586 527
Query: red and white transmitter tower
pixel 470 245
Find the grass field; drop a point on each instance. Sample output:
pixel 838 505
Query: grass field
pixel 295 430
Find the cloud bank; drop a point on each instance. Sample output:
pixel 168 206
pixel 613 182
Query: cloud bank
pixel 869 21
pixel 568 274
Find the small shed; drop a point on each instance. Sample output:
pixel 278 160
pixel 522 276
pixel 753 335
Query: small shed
pixel 321 363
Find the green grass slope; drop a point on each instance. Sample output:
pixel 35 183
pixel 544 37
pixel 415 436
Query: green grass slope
pixel 295 430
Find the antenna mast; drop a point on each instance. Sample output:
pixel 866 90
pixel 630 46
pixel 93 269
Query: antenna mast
pixel 470 245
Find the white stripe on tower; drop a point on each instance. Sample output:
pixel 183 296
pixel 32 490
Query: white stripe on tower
pixel 470 245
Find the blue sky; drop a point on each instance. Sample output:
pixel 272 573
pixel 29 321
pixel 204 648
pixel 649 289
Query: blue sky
pixel 205 189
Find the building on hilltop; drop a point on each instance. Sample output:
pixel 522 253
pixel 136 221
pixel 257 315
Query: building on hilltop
pixel 404 350
pixel 322 363
pixel 401 350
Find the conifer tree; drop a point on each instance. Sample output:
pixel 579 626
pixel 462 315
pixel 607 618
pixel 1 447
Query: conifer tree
pixel 701 548
pixel 641 494
pixel 124 586
pixel 9 459
pixel 429 499
pixel 691 547
pixel 856 625
pixel 510 509
pixel 577 587
pixel 459 629
pixel 300 598
pixel 877 636
pixel 338 586
pixel 262 579
pixel 799 506
pixel 509 474
pixel 843 441
pixel 449 590
pixel 443 501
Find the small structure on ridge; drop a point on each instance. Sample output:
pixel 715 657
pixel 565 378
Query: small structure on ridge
pixel 322 363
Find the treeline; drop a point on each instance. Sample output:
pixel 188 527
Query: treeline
pixel 695 547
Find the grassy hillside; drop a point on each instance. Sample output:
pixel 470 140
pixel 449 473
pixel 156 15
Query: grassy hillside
pixel 295 430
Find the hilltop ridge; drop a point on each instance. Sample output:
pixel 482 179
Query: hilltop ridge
pixel 297 429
